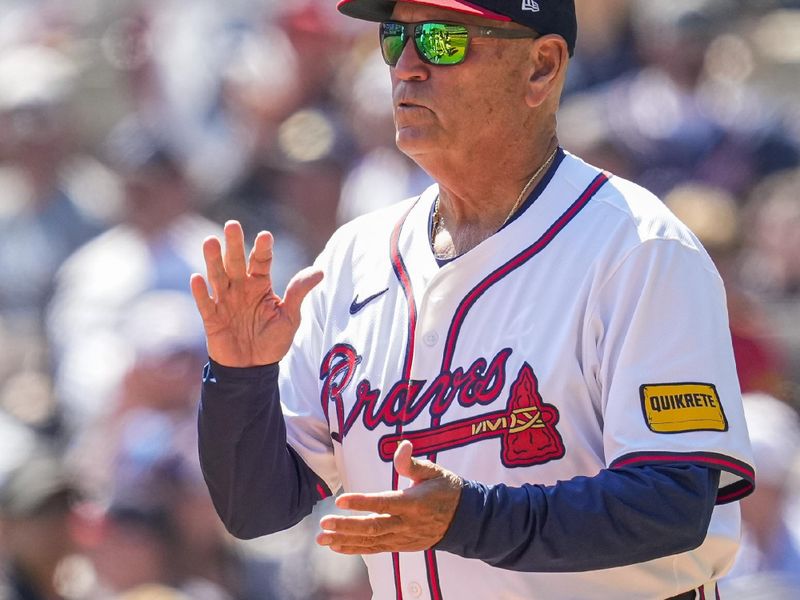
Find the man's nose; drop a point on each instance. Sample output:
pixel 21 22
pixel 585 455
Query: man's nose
pixel 410 66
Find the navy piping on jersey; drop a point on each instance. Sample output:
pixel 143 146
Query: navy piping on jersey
pixel 401 272
pixel 537 191
pixel 712 460
pixel 532 197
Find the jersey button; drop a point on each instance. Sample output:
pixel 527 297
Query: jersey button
pixel 430 338
pixel 415 589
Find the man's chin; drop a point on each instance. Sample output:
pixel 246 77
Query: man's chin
pixel 414 140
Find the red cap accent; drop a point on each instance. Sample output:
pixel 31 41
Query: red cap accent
pixel 455 5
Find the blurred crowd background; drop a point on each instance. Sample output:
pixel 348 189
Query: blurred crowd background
pixel 131 130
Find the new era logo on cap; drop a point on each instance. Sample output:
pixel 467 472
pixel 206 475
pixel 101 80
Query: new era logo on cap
pixel 530 5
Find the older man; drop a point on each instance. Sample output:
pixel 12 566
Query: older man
pixel 548 337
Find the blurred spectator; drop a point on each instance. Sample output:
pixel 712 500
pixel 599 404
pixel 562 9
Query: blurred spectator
pixel 164 335
pixel 301 144
pixel 157 247
pixel 688 113
pixel 171 55
pixel 160 526
pixel 771 267
pixel 168 346
pixel 768 563
pixel 260 88
pixel 42 216
pixel 35 506
pixel 713 215
pixel 605 44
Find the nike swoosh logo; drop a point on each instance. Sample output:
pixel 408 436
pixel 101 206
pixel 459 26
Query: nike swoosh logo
pixel 356 306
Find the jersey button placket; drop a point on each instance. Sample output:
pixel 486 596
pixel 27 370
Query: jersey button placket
pixel 414 589
pixel 430 339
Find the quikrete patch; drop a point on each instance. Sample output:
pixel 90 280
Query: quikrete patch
pixel 682 407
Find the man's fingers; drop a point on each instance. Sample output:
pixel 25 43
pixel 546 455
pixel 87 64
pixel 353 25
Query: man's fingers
pixel 260 263
pixel 373 546
pixel 371 525
pixel 408 466
pixel 204 302
pixel 381 503
pixel 401 541
pixel 327 538
pixel 212 253
pixel 298 288
pixel 352 550
pixel 234 251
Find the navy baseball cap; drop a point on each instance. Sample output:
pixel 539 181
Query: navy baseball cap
pixel 543 16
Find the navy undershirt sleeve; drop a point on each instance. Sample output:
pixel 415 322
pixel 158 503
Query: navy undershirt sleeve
pixel 618 517
pixel 258 483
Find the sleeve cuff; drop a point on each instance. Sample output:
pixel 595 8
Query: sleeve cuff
pixel 737 477
pixel 463 530
pixel 215 372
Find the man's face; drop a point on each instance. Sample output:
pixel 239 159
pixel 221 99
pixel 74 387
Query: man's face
pixel 461 107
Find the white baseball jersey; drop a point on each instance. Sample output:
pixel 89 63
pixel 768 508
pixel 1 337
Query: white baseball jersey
pixel 590 332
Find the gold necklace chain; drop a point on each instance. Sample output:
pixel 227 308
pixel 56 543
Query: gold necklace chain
pixel 438 219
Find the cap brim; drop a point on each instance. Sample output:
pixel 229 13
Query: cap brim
pixel 381 10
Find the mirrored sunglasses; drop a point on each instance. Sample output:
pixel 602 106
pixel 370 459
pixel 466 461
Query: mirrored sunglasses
pixel 438 43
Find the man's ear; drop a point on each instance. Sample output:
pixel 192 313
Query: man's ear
pixel 549 57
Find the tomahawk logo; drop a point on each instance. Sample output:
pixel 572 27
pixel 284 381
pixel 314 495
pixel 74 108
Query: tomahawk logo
pixel 526 428
pixel 530 5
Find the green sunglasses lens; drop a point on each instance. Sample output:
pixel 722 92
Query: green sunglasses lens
pixel 393 40
pixel 437 43
pixel 442 43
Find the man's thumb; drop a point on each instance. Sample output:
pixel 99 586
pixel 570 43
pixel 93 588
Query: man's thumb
pixel 408 466
pixel 298 288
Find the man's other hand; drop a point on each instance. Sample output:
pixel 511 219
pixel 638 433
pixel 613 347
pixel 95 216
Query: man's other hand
pixel 407 520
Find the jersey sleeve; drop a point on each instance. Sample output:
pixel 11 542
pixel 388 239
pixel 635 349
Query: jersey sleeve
pixel 658 331
pixel 307 427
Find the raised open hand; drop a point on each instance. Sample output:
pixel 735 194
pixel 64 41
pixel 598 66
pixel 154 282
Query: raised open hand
pixel 247 324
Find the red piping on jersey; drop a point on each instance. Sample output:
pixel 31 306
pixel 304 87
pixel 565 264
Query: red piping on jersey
pixel 729 493
pixel 719 460
pixel 739 491
pixel 516 262
pixel 403 277
pixel 433 575
pixel 321 491
pixel 401 272
pixel 472 297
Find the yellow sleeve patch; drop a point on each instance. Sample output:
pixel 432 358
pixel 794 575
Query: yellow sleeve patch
pixel 682 407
